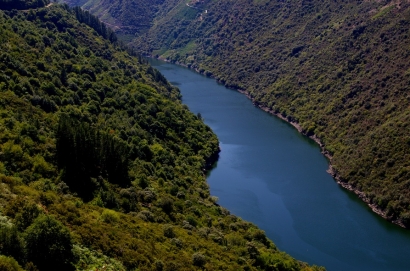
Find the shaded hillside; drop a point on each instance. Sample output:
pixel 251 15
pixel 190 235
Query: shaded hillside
pixel 129 18
pixel 101 166
pixel 340 69
pixel 22 4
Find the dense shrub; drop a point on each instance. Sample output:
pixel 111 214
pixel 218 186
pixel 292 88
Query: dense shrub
pixel 9 264
pixel 49 244
pixel 11 243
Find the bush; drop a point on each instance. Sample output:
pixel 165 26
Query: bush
pixel 26 216
pixel 167 205
pixel 49 244
pixel 110 216
pixel 169 231
pixel 199 259
pixel 159 265
pixel 9 264
pixel 93 260
pixel 192 221
pixel 10 243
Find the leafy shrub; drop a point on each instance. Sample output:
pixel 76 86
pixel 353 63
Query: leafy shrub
pixel 9 264
pixel 26 216
pixel 169 231
pixel 93 260
pixel 159 265
pixel 167 205
pixel 192 221
pixel 11 244
pixel 109 216
pixel 199 259
pixel 49 244
pixel 146 216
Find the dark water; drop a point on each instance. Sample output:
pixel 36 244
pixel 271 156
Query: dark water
pixel 272 176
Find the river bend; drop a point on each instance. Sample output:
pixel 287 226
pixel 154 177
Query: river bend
pixel 276 178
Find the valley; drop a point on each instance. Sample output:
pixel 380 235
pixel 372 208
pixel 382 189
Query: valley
pixel 339 70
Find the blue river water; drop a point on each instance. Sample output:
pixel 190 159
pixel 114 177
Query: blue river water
pixel 276 178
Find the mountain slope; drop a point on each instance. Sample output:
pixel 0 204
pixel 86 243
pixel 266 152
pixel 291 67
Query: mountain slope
pixel 101 166
pixel 129 18
pixel 339 70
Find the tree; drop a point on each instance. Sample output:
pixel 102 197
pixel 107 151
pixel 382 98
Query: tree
pixel 9 264
pixel 11 243
pixel 49 244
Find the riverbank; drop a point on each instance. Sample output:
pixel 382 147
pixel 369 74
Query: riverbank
pixel 336 176
pixel 331 169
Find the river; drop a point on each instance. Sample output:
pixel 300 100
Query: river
pixel 276 178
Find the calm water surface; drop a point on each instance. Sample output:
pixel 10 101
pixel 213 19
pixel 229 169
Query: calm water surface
pixel 270 175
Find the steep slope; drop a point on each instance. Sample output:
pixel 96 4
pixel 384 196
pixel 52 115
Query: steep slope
pixel 101 166
pixel 22 4
pixel 339 70
pixel 129 18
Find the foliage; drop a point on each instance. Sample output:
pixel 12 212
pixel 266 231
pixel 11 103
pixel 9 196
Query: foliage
pixel 93 260
pixel 93 21
pixel 198 259
pixel 49 244
pixel 11 243
pixel 86 155
pixel 101 163
pixel 128 18
pixel 22 4
pixel 9 264
pixel 339 69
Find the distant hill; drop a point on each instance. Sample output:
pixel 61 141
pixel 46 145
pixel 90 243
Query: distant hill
pixel 129 18
pixel 339 69
pixel 101 165
pixel 22 4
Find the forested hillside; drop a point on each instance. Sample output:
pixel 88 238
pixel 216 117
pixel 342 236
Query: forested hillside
pixel 101 166
pixel 22 4
pixel 339 69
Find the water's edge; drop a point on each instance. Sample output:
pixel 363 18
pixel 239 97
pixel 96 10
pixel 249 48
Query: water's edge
pixel 331 170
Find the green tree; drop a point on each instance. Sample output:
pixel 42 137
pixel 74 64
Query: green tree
pixel 11 243
pixel 9 264
pixel 48 244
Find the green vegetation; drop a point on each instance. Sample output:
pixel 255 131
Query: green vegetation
pixel 128 18
pixel 338 69
pixel 101 166
pixel 22 4
pixel 48 244
pixel 9 264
